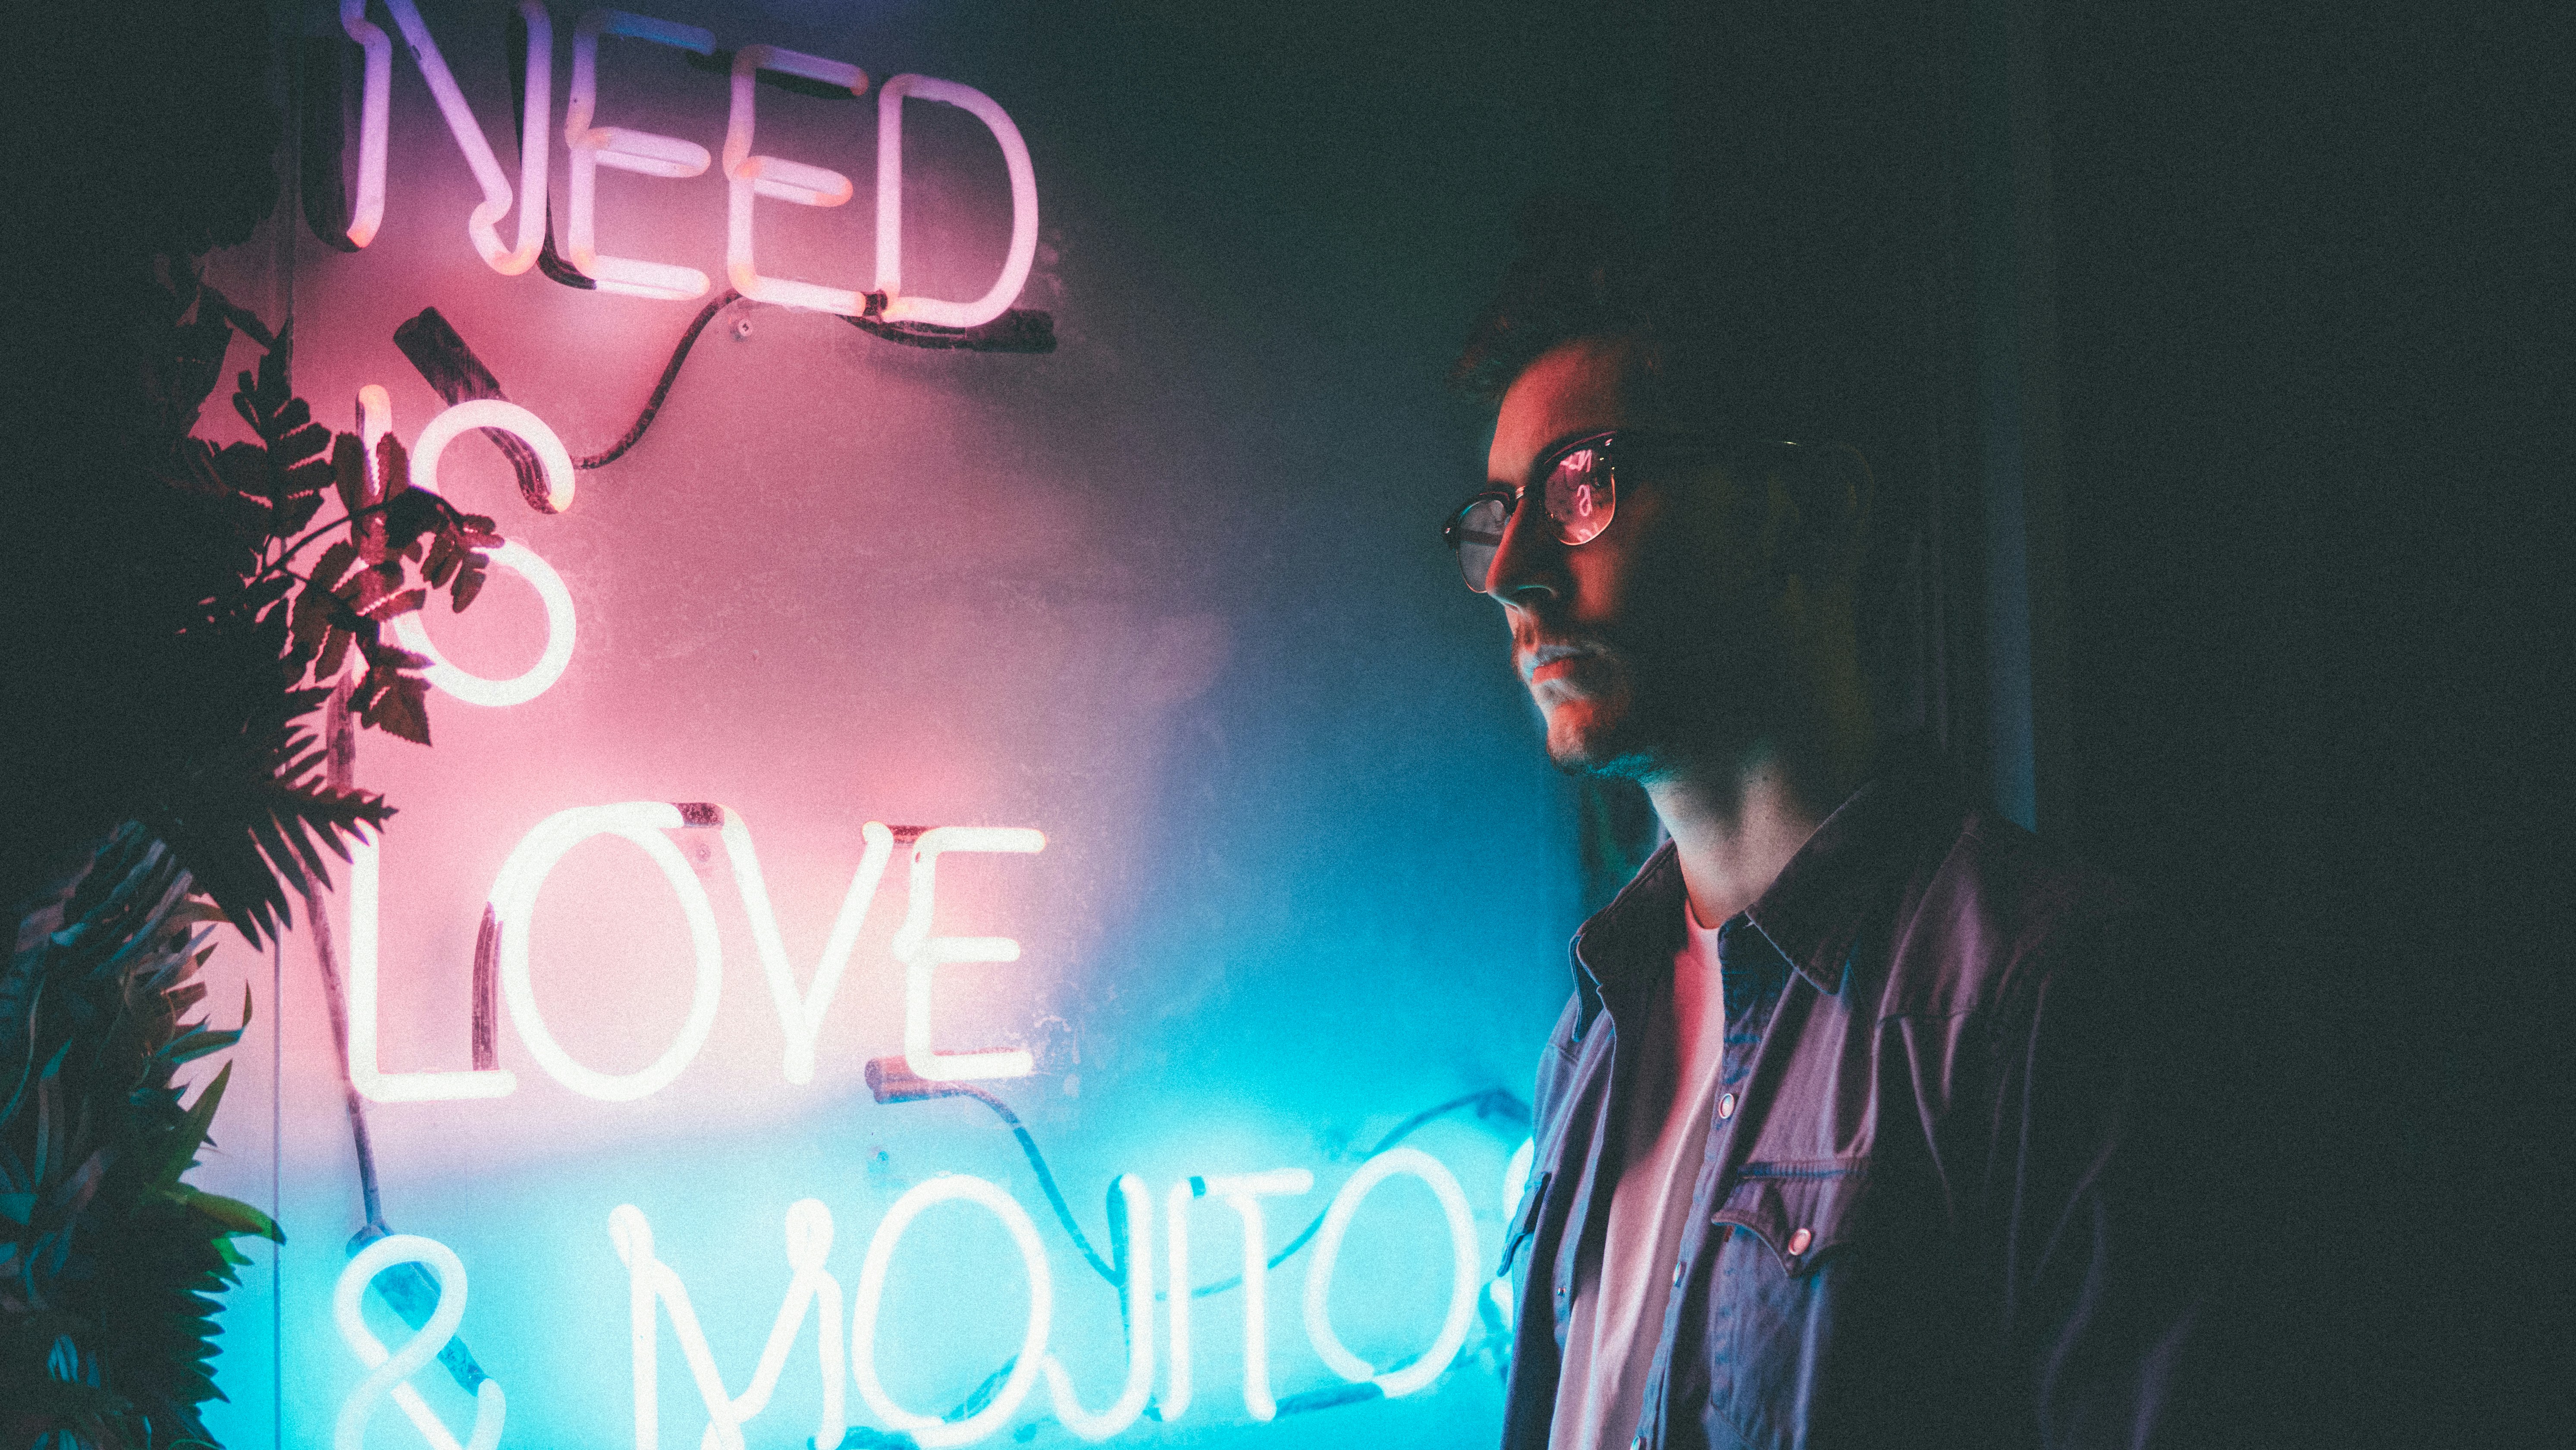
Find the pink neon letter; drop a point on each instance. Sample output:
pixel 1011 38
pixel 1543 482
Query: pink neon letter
pixel 514 902
pixel 801 1014
pixel 382 1086
pixel 375 119
pixel 645 153
pixel 1024 204
pixel 512 555
pixel 923 954
pixel 747 175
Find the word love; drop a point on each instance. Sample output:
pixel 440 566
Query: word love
pixel 801 1010
pixel 645 153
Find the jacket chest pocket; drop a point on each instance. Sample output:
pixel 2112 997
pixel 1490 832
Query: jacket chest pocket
pixel 1779 1277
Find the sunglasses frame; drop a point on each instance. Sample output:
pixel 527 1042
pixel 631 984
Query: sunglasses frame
pixel 1607 441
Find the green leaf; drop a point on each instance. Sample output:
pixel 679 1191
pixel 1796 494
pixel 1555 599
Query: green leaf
pixel 471 575
pixel 445 553
pixel 402 709
pixel 393 465
pixel 335 653
pixel 349 471
pixel 312 622
pixel 191 1046
pixel 189 1135
pixel 245 469
pixel 333 563
pixel 294 511
pixel 235 1216
pixel 410 515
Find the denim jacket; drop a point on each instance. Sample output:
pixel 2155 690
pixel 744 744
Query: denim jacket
pixel 1924 1222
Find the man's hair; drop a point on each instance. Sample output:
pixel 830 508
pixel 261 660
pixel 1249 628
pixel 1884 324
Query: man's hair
pixel 1579 276
pixel 1700 357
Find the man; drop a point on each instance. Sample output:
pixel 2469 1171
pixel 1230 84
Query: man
pixel 1839 1141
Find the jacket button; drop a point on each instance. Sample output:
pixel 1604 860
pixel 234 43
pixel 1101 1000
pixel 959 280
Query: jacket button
pixel 1726 1105
pixel 1798 1242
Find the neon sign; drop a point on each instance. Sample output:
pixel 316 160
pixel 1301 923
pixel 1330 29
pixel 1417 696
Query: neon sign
pixel 845 1313
pixel 748 176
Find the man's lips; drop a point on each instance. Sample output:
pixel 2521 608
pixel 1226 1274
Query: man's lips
pixel 1551 661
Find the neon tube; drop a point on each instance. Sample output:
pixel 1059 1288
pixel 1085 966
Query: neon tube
pixel 1176 1227
pixel 809 1241
pixel 801 1015
pixel 513 903
pixel 561 480
pixel 510 554
pixel 479 225
pixel 1243 1192
pixel 375 418
pixel 747 176
pixel 364 1074
pixel 930 1431
pixel 391 1373
pixel 1465 1272
pixel 648 1279
pixel 645 153
pixel 923 954
pixel 375 111
pixel 1024 204
pixel 1138 1294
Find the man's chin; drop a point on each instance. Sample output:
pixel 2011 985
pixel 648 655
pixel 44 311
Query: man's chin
pixel 1581 742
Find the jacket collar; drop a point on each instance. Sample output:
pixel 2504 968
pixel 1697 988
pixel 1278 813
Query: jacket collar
pixel 1815 909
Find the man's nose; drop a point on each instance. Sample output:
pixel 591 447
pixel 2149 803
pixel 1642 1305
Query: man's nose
pixel 1529 564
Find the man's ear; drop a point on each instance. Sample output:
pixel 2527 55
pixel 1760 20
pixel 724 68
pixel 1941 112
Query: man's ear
pixel 1815 520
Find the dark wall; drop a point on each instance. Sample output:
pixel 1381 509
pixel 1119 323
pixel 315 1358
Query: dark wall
pixel 2312 388
pixel 2313 297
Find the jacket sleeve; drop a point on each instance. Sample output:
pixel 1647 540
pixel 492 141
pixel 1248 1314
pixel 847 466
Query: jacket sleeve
pixel 2100 1281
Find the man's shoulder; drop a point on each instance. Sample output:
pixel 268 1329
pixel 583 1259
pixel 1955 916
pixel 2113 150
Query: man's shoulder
pixel 1992 913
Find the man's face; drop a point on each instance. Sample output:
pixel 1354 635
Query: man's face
pixel 1641 644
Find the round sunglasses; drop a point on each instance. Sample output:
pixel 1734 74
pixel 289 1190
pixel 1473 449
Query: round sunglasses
pixel 1577 486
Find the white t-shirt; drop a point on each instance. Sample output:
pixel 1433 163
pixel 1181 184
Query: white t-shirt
pixel 1624 1276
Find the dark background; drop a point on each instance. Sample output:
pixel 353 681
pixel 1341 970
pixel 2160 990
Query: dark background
pixel 2307 360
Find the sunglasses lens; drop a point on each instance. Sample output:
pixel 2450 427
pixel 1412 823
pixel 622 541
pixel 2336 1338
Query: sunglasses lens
pixel 1581 495
pixel 1478 532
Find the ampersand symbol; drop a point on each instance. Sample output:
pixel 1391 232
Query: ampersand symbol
pixel 390 1373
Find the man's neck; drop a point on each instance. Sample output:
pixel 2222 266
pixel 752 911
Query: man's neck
pixel 1734 829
